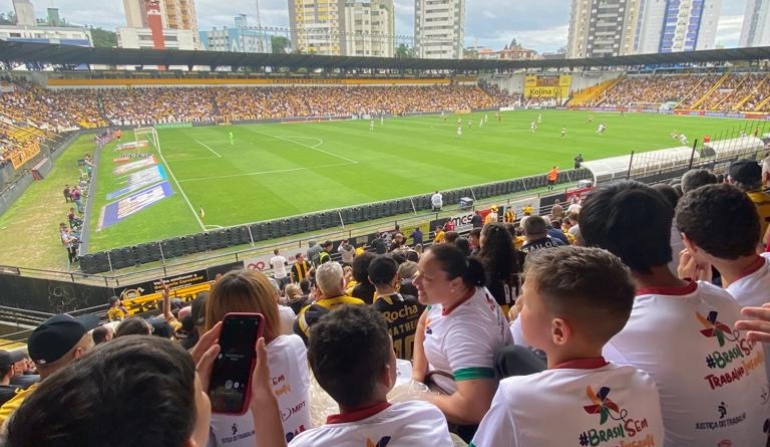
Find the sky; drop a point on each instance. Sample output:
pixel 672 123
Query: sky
pixel 489 23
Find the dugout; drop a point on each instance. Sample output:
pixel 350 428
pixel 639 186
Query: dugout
pixel 733 149
pixel 639 165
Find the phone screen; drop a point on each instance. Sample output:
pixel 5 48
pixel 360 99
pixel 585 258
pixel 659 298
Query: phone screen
pixel 231 375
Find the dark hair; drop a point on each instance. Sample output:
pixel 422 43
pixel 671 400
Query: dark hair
pixel 99 335
pixel 498 254
pixel 455 264
pixel 361 266
pixel 535 226
pixel 382 270
pixel 451 236
pixel 556 223
pixel 463 244
pixel 720 219
pixel 399 257
pixel 475 232
pixel 131 391
pixel 668 192
pixel 696 178
pixel 348 349
pixel 631 220
pixel 133 326
pixel 590 287
pixel 304 285
pixel 412 255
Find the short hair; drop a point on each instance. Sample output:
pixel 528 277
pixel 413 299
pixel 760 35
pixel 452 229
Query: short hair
pixel 305 286
pixel 100 335
pixel 631 220
pixel 361 266
pixel 720 219
pixel 328 277
pixel 133 326
pixel 246 291
pixel 476 232
pixel 589 287
pixel 146 383
pixel 451 236
pixel 348 349
pixel 293 291
pixel 454 264
pixel 668 192
pixel 573 216
pixel 534 226
pixel 382 270
pixel 276 251
pixel 695 178
pixel 407 270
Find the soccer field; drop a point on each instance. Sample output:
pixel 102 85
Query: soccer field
pixel 278 170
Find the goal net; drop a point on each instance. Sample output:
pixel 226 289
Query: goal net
pixel 149 134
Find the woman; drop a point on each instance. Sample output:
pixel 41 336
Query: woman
pixel 502 264
pixel 458 336
pixel 250 291
pixel 363 289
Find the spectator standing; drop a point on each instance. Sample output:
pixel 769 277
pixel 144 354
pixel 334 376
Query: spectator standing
pixel 379 245
pixel 561 284
pixel 553 177
pixel 75 195
pixel 278 263
pixel 324 255
pixel 440 235
pixel 458 336
pixel 67 194
pixel 578 161
pixel 437 201
pixel 300 270
pixel 476 220
pixel 675 325
pixel 312 253
pixel 416 236
pixel 347 251
pixel 536 233
pixel 492 216
pixel 557 212
pixel 502 264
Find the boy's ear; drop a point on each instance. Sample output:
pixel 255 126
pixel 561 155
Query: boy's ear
pixel 561 331
pixel 689 245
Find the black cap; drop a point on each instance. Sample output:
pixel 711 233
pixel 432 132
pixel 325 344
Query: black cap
pixel 8 358
pixel 54 338
pixel 747 172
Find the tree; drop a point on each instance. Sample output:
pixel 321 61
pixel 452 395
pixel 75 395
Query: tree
pixel 8 19
pixel 280 44
pixel 102 38
pixel 404 52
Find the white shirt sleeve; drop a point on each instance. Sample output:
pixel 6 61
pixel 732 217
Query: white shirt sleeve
pixel 497 429
pixel 469 356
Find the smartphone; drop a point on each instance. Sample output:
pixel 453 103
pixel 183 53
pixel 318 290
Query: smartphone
pixel 230 386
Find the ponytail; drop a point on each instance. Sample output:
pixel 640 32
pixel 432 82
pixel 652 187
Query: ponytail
pixel 455 264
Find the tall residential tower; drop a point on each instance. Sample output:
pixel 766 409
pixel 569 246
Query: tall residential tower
pixel 684 25
pixel 439 29
pixel 756 24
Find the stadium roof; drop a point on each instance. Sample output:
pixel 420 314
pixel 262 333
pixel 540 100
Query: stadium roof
pixel 41 53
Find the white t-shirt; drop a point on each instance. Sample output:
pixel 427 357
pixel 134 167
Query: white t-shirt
pixel 712 382
pixel 753 290
pixel 437 200
pixel 464 342
pixel 287 316
pixel 407 424
pixel 287 360
pixel 562 407
pixel 279 267
pixel 574 208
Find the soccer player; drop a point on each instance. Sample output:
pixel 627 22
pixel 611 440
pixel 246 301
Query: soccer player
pixel 539 118
pixel 371 125
pixel 561 284
pixel 590 119
pixel 232 139
pixel 443 116
pixel 486 117
pixel 683 139
pixel 532 127
pixel 470 123
pixel 601 129
pixel 459 131
pixel 563 132
pixel 382 120
pixel 481 123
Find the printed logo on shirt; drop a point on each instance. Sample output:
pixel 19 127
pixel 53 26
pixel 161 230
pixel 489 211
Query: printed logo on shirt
pixel 288 412
pixel 725 419
pixel 736 357
pixel 381 443
pixel 622 431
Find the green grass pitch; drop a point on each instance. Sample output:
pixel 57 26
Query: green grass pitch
pixel 278 170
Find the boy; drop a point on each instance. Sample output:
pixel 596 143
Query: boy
pixel 680 332
pixel 352 358
pixel 116 312
pixel 575 300
pixel 720 228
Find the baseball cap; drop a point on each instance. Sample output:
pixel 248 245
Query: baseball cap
pixel 747 172
pixel 327 243
pixel 54 338
pixel 8 358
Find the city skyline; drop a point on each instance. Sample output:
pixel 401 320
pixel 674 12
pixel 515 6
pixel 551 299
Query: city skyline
pixel 491 23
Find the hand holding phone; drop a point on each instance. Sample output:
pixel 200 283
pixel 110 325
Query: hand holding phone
pixel 230 385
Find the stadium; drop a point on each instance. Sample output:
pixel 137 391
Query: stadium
pixel 150 183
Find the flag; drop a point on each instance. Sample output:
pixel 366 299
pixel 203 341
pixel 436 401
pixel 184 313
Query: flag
pixel 202 213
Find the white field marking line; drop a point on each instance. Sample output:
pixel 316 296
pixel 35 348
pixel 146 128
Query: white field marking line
pixel 215 227
pixel 193 159
pixel 209 148
pixel 181 191
pixel 279 171
pixel 312 147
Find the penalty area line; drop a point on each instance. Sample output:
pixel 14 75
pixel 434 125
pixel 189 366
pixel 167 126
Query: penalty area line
pixel 278 171
pixel 181 190
pixel 209 148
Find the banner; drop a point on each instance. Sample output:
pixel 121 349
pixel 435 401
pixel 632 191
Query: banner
pixel 128 167
pixel 550 87
pixel 173 126
pixel 139 180
pixel 114 212
pixel 132 145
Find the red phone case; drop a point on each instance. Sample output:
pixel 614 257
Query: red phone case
pixel 260 331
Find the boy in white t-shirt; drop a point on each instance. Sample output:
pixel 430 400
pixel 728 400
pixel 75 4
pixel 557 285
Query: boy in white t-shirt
pixel 575 300
pixel 711 378
pixel 352 357
pixel 720 228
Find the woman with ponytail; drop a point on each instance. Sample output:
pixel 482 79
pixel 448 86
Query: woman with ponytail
pixel 458 335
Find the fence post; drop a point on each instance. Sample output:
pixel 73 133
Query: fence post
pixel 251 236
pixel 692 155
pixel 630 165
pixel 109 262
